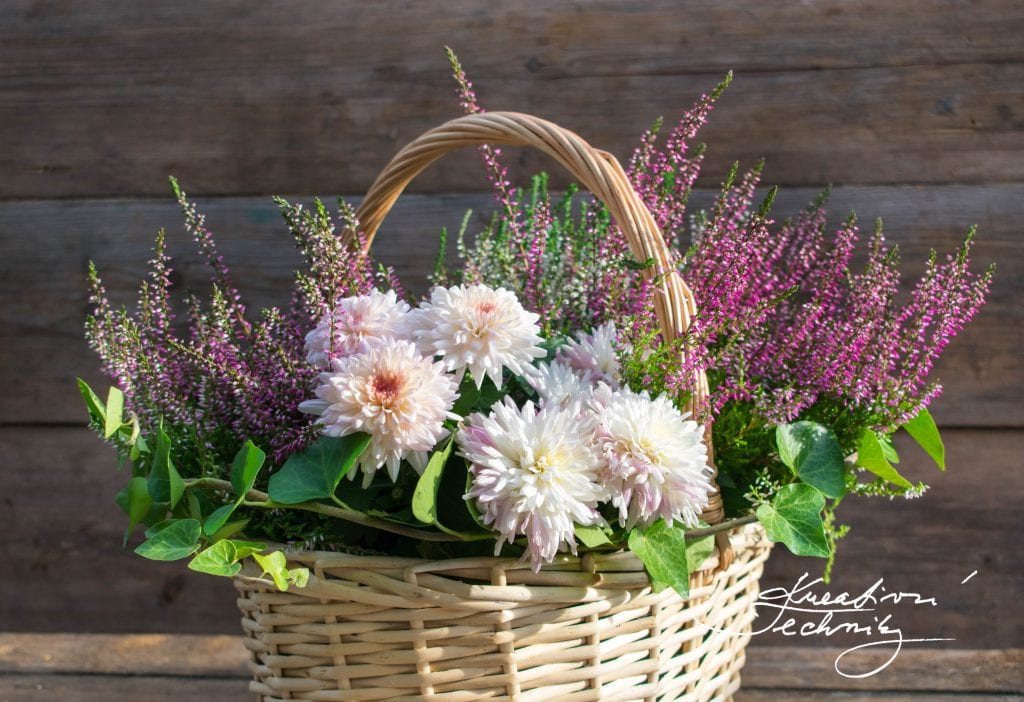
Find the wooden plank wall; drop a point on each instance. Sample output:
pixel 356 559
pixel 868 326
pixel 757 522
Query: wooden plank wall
pixel 914 111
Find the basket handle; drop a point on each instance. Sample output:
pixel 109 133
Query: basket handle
pixel 598 171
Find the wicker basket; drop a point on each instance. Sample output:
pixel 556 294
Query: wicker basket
pixel 590 628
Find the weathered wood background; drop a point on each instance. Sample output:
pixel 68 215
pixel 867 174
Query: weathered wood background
pixel 914 111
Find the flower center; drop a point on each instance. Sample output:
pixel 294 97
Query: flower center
pixel 386 386
pixel 541 465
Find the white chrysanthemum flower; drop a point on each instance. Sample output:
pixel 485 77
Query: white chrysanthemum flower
pixel 479 328
pixel 655 459
pixel 593 355
pixel 558 386
pixel 394 394
pixel 535 474
pixel 354 324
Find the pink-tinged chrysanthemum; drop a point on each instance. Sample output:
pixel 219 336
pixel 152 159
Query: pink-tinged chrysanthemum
pixel 558 386
pixel 479 328
pixel 394 394
pixel 535 474
pixel 655 459
pixel 593 355
pixel 354 324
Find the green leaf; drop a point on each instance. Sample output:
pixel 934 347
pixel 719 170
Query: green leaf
pixel 165 484
pixel 121 499
pixel 298 577
pixel 469 393
pixel 926 434
pixel 112 421
pixel 794 518
pixel 871 455
pixel 139 504
pixel 247 548
pixel 592 536
pixel 156 528
pixel 316 472
pixel 812 451
pixel 662 550
pixel 246 467
pixel 217 519
pixel 97 411
pixel 229 530
pixel 698 551
pixel 219 559
pixel 424 498
pixel 178 540
pixel 273 564
pixel 888 450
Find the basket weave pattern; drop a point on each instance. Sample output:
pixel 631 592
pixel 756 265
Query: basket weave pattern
pixel 588 628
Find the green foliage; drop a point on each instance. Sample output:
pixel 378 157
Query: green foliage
pixel 113 412
pixel 139 504
pixel 165 483
pixel 223 557
pixel 316 472
pixel 593 536
pixel 924 431
pixel 794 518
pixel 172 541
pixel 813 453
pixel 276 566
pixel 871 454
pixel 667 555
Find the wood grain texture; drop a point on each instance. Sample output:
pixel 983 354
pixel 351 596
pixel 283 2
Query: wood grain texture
pixel 110 688
pixel 45 246
pixel 31 664
pixel 107 99
pixel 63 536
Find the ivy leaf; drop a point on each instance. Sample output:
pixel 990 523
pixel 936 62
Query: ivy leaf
pixel 926 434
pixel 276 566
pixel 871 455
pixel 592 536
pixel 662 550
pixel 139 504
pixel 794 518
pixel 246 467
pixel 698 551
pixel 424 498
pixel 165 484
pixel 177 540
pixel 229 530
pixel 247 548
pixel 218 518
pixel 97 411
pixel 219 559
pixel 316 472
pixel 112 420
pixel 812 451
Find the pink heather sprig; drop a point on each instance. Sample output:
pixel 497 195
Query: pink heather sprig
pixel 227 379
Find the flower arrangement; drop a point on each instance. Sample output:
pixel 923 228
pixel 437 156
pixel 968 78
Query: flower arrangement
pixel 529 405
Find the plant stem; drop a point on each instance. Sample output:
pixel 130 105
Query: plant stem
pixel 255 498
pixel 721 526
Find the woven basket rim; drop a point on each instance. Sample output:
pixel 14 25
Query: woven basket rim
pixel 620 560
